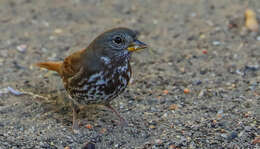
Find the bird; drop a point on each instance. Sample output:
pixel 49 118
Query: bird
pixel 100 72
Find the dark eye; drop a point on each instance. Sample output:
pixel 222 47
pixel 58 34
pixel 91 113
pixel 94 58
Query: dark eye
pixel 118 40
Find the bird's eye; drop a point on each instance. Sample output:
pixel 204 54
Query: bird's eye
pixel 118 40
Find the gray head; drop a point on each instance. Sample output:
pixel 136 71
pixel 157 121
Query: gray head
pixel 117 42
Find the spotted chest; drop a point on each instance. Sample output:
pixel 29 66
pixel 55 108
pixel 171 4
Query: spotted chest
pixel 100 87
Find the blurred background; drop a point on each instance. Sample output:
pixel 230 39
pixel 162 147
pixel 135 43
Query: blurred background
pixel 197 86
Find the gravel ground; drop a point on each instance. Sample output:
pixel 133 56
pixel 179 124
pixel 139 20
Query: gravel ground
pixel 197 86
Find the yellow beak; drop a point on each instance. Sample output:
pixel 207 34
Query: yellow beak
pixel 136 45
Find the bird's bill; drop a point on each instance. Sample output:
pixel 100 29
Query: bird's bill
pixel 136 45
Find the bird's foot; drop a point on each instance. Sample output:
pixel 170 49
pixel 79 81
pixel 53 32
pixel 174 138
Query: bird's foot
pixel 123 122
pixel 75 127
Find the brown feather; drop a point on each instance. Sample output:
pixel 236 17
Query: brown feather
pixel 54 66
pixel 71 64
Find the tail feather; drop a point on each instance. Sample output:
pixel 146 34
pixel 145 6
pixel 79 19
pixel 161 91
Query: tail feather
pixel 54 66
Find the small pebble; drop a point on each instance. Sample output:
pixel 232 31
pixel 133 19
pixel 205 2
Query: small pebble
pixel 210 23
pixel 89 126
pixel 247 114
pixel 201 93
pixel 253 86
pixel 216 43
pixel 58 31
pixel 158 141
pixel 248 128
pixel 153 109
pixel 240 72
pixel 224 135
pixel 204 51
pixel 202 36
pixel 172 146
pixel 155 21
pixel 173 107
pixel 203 71
pixel 191 38
pixel 165 92
pixel 103 130
pixel 13 91
pixel 232 135
pixel 220 111
pixel 252 67
pixel 170 63
pixel 116 145
pixel 165 115
pixel 197 82
pixel 52 37
pixel 152 127
pixel 193 14
pixel 186 91
pixel 182 69
pixel 21 48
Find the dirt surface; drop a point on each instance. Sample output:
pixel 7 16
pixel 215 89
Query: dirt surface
pixel 197 86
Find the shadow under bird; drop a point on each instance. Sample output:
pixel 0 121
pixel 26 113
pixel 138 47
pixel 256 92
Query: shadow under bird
pixel 100 72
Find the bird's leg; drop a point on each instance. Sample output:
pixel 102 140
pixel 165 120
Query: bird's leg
pixel 123 121
pixel 75 125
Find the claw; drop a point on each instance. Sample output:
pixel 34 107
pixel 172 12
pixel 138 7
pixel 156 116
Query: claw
pixel 123 122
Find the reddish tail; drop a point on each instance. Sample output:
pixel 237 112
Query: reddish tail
pixel 54 66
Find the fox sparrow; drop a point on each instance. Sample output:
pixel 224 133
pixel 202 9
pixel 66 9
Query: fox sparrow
pixel 100 72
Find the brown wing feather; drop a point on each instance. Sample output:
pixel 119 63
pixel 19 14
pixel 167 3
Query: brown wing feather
pixel 71 64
